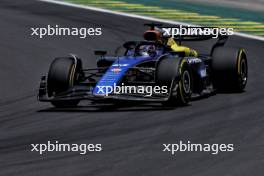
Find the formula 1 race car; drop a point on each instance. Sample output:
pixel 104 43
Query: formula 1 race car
pixel 148 71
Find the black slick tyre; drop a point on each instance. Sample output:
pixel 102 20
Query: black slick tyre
pixel 229 69
pixel 62 75
pixel 175 73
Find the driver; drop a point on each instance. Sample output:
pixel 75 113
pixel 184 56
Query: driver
pixel 147 50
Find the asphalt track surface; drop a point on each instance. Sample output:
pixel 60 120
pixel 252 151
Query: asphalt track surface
pixel 132 137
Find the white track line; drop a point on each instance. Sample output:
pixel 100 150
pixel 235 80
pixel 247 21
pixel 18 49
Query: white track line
pixel 138 16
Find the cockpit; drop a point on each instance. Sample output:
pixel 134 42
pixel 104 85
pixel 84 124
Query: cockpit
pixel 144 48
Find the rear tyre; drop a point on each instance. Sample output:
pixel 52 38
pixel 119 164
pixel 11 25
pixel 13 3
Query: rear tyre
pixel 229 69
pixel 62 75
pixel 176 74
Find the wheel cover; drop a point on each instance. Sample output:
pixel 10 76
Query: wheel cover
pixel 186 81
pixel 243 71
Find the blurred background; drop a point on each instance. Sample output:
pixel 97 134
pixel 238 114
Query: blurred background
pixel 243 15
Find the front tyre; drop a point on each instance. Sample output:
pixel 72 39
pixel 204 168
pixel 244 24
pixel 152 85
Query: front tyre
pixel 176 73
pixel 62 75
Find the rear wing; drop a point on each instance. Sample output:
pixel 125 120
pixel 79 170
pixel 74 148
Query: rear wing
pixel 221 39
pixel 194 33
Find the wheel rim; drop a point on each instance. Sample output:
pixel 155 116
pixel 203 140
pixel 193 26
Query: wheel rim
pixel 186 81
pixel 243 71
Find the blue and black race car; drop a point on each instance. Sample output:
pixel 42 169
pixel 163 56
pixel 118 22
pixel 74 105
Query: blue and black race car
pixel 149 70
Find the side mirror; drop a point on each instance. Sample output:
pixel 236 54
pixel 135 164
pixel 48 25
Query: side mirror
pixel 100 53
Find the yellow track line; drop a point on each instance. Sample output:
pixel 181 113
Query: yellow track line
pixel 172 13
pixel 232 23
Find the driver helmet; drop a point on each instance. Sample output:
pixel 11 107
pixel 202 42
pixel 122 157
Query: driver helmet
pixel 147 50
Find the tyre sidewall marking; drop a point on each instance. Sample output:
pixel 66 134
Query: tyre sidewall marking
pixel 180 82
pixel 239 62
pixel 72 71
